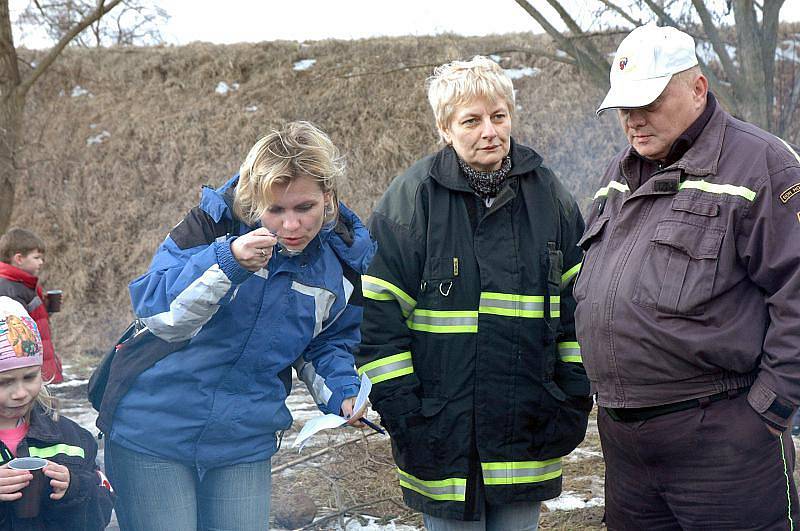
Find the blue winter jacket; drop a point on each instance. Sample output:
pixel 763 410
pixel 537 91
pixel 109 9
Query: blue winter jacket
pixel 220 400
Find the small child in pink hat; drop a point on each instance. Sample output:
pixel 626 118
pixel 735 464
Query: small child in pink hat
pixel 79 497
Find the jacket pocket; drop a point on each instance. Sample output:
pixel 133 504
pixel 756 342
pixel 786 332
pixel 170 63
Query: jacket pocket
pixel 568 421
pixel 679 268
pixel 591 244
pixel 417 437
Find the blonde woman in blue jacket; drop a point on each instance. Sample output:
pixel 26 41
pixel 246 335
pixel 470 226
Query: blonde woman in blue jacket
pixel 263 272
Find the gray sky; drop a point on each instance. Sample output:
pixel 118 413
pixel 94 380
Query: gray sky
pixel 263 20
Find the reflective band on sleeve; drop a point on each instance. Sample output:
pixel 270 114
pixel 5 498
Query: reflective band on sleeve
pixel 514 473
pixel 388 367
pixel 570 352
pixel 569 275
pixel 725 189
pixel 511 305
pixel 613 185
pixel 785 143
pixel 378 289
pixel 451 489
pixel 50 451
pixel 444 322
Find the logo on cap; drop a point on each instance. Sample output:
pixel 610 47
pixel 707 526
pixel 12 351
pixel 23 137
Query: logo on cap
pixel 622 63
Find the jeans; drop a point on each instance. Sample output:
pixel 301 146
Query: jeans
pixel 520 516
pixel 154 494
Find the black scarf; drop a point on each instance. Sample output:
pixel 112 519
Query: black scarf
pixel 486 184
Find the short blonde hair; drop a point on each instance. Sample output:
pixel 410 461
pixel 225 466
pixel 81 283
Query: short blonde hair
pixel 298 149
pixel 459 82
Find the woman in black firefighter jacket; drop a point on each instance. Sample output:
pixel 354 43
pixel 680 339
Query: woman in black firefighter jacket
pixel 468 333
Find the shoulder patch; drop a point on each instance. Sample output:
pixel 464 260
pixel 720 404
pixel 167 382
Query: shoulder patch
pixel 198 228
pixel 790 193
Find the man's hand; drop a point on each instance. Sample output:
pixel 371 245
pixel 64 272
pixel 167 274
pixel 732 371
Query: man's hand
pixel 12 482
pixel 254 249
pixel 59 479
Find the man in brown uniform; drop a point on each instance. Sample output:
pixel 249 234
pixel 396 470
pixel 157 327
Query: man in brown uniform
pixel 688 298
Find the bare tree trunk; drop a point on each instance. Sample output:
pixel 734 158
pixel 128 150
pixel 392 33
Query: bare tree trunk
pixel 10 118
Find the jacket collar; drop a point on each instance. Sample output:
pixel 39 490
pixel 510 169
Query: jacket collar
pixel 42 426
pixel 18 275
pixel 446 172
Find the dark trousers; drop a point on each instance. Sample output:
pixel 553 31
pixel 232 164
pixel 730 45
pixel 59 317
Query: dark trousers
pixel 713 468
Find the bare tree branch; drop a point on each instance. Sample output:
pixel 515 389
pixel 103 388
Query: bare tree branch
pixel 716 41
pixel 56 50
pixel 621 12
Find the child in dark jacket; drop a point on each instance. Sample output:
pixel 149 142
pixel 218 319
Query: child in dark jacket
pixel 21 259
pixel 76 496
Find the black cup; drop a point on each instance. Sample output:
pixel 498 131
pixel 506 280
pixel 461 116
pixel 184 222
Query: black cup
pixel 53 299
pixel 28 506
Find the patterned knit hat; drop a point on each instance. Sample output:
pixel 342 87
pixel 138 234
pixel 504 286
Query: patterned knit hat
pixel 20 342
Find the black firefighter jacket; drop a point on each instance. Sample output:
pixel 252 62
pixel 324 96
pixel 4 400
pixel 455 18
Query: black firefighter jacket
pixel 468 334
pixel 86 506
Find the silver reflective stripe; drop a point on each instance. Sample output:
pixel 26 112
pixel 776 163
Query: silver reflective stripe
pixel 314 382
pixel 192 308
pixel 450 489
pixel 570 352
pixel 512 305
pixel 444 322
pixel 793 152
pixel 389 367
pixel 323 301
pixel 517 472
pixel 380 290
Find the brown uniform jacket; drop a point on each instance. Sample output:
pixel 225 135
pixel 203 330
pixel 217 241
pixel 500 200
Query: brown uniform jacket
pixel 691 284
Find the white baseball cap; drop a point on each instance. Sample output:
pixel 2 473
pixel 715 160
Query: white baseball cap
pixel 644 63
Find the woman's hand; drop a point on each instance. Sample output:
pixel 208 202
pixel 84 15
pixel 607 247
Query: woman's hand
pixel 347 412
pixel 254 249
pixel 59 479
pixel 12 482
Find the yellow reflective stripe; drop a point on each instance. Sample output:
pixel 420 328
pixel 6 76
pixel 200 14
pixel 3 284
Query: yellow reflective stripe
pixel 613 185
pixel 450 489
pixel 378 289
pixel 512 305
pixel 50 451
pixel 570 351
pixel 444 322
pixel 387 368
pixel 724 189
pixel 570 274
pixel 516 472
pixel 789 148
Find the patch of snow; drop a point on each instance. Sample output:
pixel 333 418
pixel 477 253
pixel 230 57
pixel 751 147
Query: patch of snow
pixel 78 91
pixel 707 54
pixel 251 108
pixel 495 58
pixel 304 64
pixel 788 51
pixel 569 501
pixel 371 525
pixel 98 139
pixel 70 383
pixel 525 71
pixel 581 453
pixel 561 53
pixel 222 88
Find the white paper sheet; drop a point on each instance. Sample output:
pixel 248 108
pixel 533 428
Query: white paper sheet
pixel 330 420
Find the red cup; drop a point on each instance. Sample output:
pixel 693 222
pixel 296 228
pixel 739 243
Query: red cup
pixel 28 506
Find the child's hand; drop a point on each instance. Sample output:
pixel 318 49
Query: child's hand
pixel 59 479
pixel 12 482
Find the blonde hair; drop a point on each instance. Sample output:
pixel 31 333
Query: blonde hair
pixel 48 402
pixel 459 82
pixel 299 149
